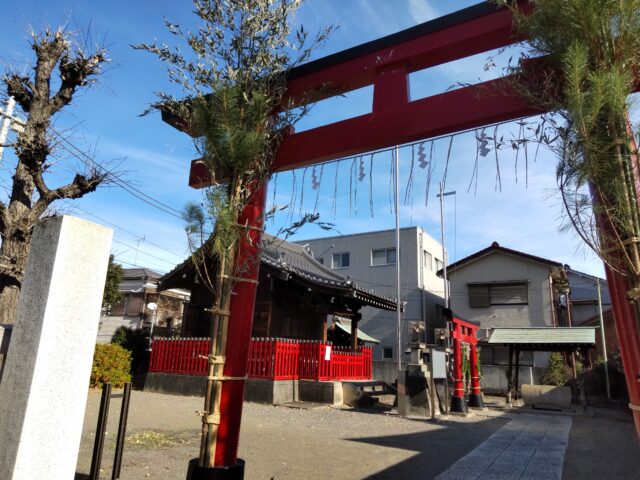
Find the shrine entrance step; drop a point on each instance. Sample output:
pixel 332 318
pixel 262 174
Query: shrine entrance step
pixel 365 393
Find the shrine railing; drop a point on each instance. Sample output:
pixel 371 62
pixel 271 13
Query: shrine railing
pixel 270 358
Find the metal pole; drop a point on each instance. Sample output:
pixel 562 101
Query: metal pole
pixel 604 342
pixel 444 262
pixel 96 458
pixel 122 429
pixel 441 195
pixel 398 293
pixel 6 123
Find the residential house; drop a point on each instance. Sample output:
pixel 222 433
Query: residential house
pixel 501 287
pixel 370 259
pixel 139 288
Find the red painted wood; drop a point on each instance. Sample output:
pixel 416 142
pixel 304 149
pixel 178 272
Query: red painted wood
pixel 482 104
pixel 475 383
pixel 478 35
pixel 458 386
pixel 239 331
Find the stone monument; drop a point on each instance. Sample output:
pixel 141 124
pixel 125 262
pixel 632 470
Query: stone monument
pixel 43 392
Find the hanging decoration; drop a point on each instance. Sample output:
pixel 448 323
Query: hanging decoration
pixel 446 166
pixel 304 174
pixel 335 191
pixel 392 184
pixel 292 203
pixel 422 163
pixel 371 184
pixel 522 133
pixel 498 185
pixel 316 186
pixel 429 173
pixel 273 198
pixel 408 191
pixel 353 163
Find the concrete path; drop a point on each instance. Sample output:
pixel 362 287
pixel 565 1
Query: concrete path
pixel 530 447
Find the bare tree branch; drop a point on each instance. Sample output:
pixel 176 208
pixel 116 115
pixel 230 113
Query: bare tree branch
pixel 76 72
pixel 20 88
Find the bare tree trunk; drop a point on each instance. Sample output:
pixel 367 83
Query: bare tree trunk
pixel 13 253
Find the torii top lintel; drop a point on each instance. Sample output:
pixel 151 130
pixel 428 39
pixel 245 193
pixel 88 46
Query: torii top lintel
pixel 386 63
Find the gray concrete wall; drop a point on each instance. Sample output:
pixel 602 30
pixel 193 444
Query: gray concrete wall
pixel 257 390
pixel 494 377
pixel 386 371
pixel 184 385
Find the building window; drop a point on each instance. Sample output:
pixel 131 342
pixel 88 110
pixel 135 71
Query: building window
pixel 488 294
pixel 427 260
pixel 383 256
pixel 387 352
pixel 438 264
pixel 320 260
pixel 340 260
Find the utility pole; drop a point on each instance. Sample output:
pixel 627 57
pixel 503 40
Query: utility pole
pixel 8 121
pixel 398 285
pixel 604 342
pixel 441 195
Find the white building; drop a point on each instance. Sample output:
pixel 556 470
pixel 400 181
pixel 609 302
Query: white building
pixel 370 259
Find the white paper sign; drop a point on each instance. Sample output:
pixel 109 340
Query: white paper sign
pixel 327 353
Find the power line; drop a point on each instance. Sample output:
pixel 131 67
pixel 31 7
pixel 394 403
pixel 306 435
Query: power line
pixel 137 237
pixel 136 192
pixel 143 252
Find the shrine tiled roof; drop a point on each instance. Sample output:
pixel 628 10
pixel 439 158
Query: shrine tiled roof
pixel 296 260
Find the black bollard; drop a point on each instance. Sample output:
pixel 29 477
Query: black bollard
pixel 96 459
pixel 122 429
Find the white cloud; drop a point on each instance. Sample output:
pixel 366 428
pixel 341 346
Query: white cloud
pixel 422 11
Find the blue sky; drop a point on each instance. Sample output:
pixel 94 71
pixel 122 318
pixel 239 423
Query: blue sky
pixel 155 158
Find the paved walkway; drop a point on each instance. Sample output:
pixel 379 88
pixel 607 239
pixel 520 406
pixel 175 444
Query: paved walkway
pixel 531 447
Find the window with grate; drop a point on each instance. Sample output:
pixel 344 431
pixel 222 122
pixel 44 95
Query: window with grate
pixel 340 260
pixel 428 260
pixel 383 256
pixel 484 295
pixel 387 352
pixel 438 264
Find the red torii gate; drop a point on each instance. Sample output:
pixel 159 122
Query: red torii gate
pixel 463 331
pixel 394 119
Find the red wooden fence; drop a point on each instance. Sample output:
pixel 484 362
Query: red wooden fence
pixel 272 358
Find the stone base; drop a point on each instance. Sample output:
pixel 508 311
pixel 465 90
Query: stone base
pixel 475 400
pixel 234 472
pixel 257 390
pixel 458 405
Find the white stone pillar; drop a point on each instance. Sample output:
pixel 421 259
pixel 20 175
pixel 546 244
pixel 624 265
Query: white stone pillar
pixel 43 392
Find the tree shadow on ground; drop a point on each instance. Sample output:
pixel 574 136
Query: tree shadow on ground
pixel 436 449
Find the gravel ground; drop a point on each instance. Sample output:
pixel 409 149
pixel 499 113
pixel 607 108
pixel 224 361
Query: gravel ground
pixel 285 443
pixel 333 443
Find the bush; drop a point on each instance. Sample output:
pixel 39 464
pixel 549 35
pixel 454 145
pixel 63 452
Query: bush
pixel 136 341
pixel 111 364
pixel 556 373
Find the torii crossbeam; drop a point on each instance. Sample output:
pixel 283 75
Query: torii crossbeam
pixel 395 119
